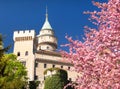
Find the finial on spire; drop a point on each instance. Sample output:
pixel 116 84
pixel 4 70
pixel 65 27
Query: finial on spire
pixel 46 9
pixel 46 24
pixel 46 13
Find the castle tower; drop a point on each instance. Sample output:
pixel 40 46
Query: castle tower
pixel 46 37
pixel 23 48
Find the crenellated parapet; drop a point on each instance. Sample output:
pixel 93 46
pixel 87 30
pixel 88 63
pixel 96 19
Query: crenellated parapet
pixel 24 35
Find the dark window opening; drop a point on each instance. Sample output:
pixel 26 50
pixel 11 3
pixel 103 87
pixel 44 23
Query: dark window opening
pixel 26 53
pixel 53 66
pixel 70 79
pixel 47 47
pixel 36 77
pixel 45 65
pixel 61 66
pixel 39 47
pixel 36 64
pixel 69 68
pixel 18 54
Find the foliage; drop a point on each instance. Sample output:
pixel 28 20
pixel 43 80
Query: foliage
pixel 97 59
pixel 12 72
pixel 2 49
pixel 56 81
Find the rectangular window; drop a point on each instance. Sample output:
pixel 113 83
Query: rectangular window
pixel 36 77
pixel 26 53
pixel 53 66
pixel 18 54
pixel 70 79
pixel 36 64
pixel 45 65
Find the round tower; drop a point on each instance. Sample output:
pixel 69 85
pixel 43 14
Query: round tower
pixel 46 37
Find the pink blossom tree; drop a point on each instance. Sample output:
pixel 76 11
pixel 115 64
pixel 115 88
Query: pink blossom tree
pixel 97 59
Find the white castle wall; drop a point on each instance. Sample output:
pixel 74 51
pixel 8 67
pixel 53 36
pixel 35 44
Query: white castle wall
pixel 24 41
pixel 50 61
pixel 47 39
pixel 46 47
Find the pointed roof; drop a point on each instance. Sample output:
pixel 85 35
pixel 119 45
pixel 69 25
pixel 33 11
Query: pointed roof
pixel 46 24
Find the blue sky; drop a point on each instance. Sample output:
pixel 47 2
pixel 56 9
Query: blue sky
pixel 65 17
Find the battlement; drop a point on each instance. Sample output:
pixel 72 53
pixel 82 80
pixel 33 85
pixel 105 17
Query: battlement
pixel 25 33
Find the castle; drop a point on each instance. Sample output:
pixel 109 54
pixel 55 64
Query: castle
pixel 38 52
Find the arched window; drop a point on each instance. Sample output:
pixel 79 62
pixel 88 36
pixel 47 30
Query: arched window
pixel 68 67
pixel 26 53
pixel 61 66
pixel 18 54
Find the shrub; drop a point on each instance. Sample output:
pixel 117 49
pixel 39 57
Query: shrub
pixel 57 80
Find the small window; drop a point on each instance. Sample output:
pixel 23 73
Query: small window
pixel 18 54
pixel 47 47
pixel 61 66
pixel 36 77
pixel 68 67
pixel 36 64
pixel 70 79
pixel 45 65
pixel 26 53
pixel 39 47
pixel 53 66
pixel 44 77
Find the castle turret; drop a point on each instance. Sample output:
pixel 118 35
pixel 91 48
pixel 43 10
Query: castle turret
pixel 46 37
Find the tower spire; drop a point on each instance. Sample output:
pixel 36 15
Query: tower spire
pixel 46 24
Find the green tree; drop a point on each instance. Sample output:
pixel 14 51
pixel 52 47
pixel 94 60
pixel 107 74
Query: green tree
pixel 2 49
pixel 57 79
pixel 12 72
